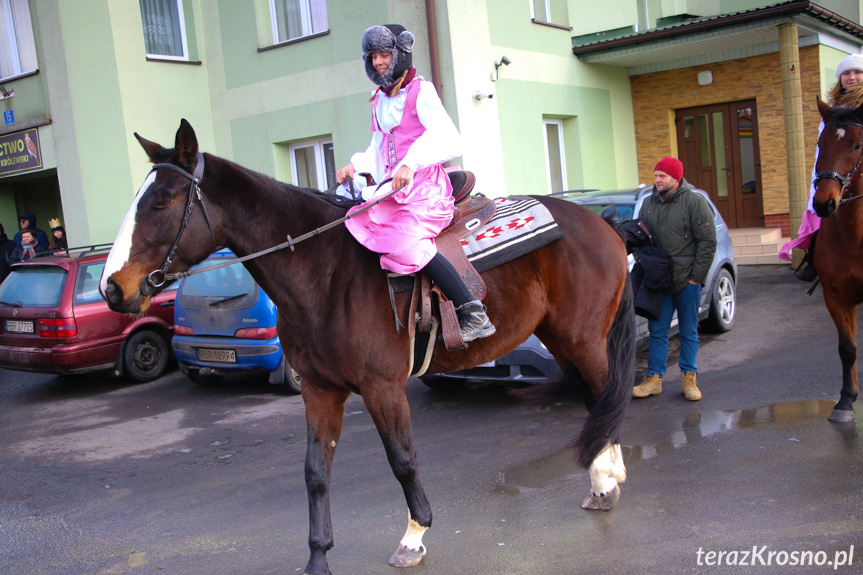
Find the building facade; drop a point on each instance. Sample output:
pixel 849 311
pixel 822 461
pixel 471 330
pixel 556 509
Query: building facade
pixel 548 95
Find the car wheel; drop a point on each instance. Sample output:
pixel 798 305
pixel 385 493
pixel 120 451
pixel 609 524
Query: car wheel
pixel 723 304
pixel 145 357
pixel 204 380
pixel 292 383
pixel 439 383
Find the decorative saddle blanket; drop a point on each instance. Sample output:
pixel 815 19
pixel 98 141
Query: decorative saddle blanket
pixel 520 225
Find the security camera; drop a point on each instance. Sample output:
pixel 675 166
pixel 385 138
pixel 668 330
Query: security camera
pixel 482 95
pixel 505 61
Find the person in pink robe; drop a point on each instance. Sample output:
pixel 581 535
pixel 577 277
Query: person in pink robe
pixel 847 91
pixel 412 137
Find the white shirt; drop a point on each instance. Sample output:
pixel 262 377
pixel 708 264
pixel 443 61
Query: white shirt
pixel 440 142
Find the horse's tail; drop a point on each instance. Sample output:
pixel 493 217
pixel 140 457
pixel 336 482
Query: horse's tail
pixel 606 415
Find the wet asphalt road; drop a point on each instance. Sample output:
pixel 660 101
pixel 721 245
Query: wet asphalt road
pixel 102 477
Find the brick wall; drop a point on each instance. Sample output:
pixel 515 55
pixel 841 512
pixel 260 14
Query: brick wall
pixel 655 97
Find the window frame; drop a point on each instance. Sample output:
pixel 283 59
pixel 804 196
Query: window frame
pixel 533 15
pixel 17 37
pixel 561 146
pixel 307 22
pixel 181 17
pixel 319 145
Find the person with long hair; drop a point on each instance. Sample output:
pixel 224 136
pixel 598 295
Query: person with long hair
pixel 847 91
pixel 58 236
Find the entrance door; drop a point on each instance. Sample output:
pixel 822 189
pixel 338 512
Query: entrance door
pixel 718 146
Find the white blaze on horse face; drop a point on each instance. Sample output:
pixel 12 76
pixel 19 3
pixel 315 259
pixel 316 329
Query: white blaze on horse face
pixel 119 254
pixel 840 133
pixel 607 470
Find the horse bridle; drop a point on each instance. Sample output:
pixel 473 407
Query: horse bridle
pixel 157 278
pixel 845 180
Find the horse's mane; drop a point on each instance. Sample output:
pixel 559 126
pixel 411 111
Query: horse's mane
pixel 279 186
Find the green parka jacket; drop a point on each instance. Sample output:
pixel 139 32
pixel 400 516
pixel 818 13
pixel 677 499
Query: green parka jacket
pixel 682 225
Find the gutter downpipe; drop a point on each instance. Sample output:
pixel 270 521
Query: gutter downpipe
pixel 431 23
pixel 792 104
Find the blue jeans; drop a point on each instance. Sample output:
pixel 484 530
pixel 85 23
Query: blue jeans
pixel 686 303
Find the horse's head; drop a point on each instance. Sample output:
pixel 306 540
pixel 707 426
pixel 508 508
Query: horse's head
pixel 155 226
pixel 840 151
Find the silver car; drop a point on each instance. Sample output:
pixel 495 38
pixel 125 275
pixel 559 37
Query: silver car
pixel 530 362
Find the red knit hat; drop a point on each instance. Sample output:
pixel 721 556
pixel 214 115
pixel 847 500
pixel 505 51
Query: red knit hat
pixel 671 166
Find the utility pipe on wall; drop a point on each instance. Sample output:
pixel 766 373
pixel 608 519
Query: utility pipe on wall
pixel 431 23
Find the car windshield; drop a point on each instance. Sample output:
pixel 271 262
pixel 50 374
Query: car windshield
pixel 33 286
pixel 229 287
pixel 619 204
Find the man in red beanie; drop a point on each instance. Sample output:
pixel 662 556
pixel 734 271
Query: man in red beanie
pixel 682 224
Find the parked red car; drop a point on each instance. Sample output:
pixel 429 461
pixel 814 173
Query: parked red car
pixel 53 320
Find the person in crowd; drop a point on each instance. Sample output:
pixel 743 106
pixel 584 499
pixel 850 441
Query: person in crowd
pixel 847 91
pixel 58 242
pixel 6 247
pixel 681 222
pixel 28 249
pixel 412 137
pixel 28 221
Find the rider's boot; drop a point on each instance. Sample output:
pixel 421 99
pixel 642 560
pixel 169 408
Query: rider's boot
pixel 806 270
pixel 473 321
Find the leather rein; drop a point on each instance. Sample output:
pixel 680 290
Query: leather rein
pixel 844 181
pixel 158 278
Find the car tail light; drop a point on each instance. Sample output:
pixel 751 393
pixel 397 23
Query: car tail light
pixel 64 327
pixel 256 333
pixel 183 330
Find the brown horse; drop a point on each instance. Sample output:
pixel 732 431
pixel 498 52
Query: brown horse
pixel 839 250
pixel 336 321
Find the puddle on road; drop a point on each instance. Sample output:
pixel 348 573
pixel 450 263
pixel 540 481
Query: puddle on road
pixel 561 465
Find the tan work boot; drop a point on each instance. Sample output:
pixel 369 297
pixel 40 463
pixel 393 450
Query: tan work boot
pixel 690 390
pixel 650 385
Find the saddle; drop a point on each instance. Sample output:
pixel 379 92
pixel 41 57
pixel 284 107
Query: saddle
pixel 471 212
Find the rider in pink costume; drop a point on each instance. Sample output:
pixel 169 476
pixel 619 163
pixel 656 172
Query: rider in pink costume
pixel 848 91
pixel 412 136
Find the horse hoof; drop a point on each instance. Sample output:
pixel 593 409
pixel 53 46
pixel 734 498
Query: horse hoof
pixel 407 557
pixel 602 502
pixel 841 416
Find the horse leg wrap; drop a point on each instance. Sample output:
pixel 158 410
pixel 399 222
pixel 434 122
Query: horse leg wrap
pixel 606 472
pixel 411 549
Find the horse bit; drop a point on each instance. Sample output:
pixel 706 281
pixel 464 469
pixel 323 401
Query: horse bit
pixel 845 180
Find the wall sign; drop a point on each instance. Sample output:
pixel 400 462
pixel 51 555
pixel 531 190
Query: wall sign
pixel 20 152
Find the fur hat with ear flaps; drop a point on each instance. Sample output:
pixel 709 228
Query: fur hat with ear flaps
pixel 388 38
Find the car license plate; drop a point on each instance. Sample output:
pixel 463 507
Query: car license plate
pixel 13 326
pixel 218 355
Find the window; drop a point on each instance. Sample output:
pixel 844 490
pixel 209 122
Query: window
pixel 297 18
pixel 87 283
pixel 17 47
pixel 541 10
pixel 313 164
pixel 164 29
pixel 555 160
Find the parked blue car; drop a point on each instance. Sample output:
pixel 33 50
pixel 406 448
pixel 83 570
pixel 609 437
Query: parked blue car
pixel 225 322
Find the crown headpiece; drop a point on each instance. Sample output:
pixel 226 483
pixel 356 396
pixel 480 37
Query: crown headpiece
pixel 54 223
